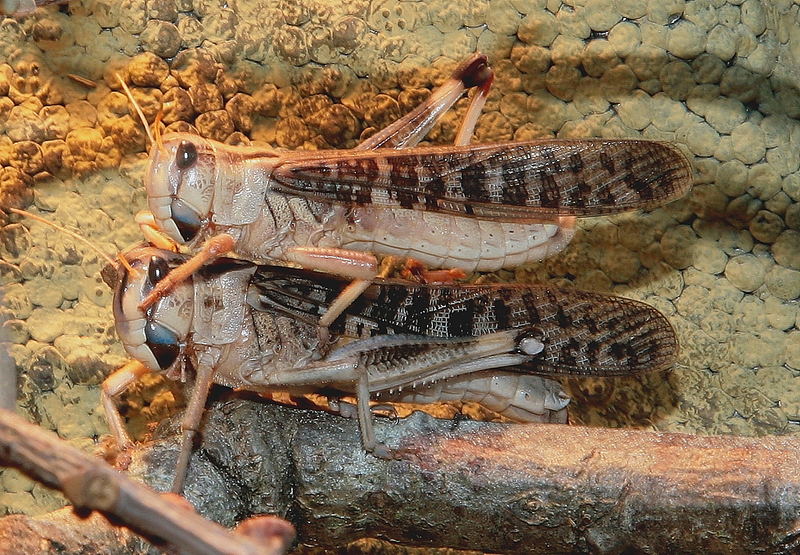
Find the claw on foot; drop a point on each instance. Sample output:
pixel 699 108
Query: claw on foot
pixel 380 451
pixel 415 270
pixel 412 269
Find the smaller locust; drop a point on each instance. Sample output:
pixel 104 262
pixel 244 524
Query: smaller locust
pixel 254 327
pixel 179 335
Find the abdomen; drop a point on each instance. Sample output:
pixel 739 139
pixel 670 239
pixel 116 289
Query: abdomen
pixel 519 397
pixel 448 241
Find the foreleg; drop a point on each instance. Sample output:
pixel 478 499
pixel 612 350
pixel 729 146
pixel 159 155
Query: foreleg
pixel 211 250
pixel 190 424
pixel 114 386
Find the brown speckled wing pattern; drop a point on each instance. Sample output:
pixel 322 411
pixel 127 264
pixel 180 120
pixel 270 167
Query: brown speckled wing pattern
pixel 583 333
pixel 508 181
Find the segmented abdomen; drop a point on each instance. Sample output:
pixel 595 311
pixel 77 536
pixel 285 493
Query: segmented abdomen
pixel 437 240
pixel 519 397
pixel 448 241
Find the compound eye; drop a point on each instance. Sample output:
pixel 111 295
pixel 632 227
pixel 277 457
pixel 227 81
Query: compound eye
pixel 163 343
pixel 186 155
pixel 186 220
pixel 157 269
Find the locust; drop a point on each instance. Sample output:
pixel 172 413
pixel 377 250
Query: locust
pixel 254 327
pixel 463 207
pixel 170 338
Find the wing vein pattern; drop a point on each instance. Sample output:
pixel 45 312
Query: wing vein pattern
pixel 583 333
pixel 506 181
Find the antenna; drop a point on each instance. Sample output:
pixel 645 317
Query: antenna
pixel 137 108
pixel 70 233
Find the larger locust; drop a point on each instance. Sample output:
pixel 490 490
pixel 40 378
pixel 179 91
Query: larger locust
pixel 469 207
pixel 255 328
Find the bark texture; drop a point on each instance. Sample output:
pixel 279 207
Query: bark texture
pixel 541 488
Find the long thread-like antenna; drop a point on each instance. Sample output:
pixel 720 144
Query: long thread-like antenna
pixel 137 108
pixel 157 128
pixel 63 230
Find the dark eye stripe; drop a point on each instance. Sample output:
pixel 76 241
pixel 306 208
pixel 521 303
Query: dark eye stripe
pixel 186 220
pixel 186 155
pixel 162 343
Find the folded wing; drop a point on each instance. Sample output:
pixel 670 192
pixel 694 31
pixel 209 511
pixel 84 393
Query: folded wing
pixel 583 333
pixel 507 181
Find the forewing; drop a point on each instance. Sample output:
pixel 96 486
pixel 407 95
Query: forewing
pixel 583 333
pixel 509 181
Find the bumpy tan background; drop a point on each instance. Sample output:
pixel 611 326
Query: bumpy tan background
pixel 718 78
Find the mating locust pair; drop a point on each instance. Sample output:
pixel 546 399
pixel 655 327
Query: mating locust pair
pixel 237 322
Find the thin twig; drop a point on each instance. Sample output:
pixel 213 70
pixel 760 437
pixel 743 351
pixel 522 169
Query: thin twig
pixel 91 484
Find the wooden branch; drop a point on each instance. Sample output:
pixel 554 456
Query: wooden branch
pixel 489 487
pixel 91 485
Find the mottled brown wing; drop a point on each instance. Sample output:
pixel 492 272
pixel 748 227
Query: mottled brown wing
pixel 510 181
pixel 583 333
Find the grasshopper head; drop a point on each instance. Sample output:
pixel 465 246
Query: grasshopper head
pixel 180 180
pixel 155 337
